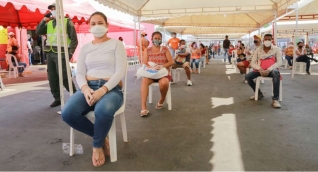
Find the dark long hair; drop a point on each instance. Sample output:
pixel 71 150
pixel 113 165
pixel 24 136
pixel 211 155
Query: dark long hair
pixel 98 13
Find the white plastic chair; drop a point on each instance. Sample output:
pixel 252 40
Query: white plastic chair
pixel 168 96
pixel 112 131
pixel 177 71
pixel 1 84
pixel 13 69
pixel 233 61
pixel 258 83
pixel 302 67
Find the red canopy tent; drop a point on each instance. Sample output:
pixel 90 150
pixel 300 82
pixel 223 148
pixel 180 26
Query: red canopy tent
pixel 28 13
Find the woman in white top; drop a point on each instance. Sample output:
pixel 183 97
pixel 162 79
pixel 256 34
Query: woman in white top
pixel 302 56
pixel 101 66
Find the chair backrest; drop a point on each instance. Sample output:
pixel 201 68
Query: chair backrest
pixel 8 57
pixel 125 85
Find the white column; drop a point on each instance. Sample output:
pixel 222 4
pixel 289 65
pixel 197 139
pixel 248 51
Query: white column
pixel 140 49
pixel 135 38
pixel 306 38
pixel 275 28
pixel 295 38
pixel 249 39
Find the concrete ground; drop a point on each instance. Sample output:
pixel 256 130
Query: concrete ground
pixel 212 126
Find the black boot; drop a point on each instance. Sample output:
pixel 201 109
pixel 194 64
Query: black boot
pixel 56 103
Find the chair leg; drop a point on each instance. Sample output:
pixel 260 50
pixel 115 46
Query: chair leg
pixel 123 126
pixel 72 138
pixel 112 142
pixel 281 91
pixel 168 97
pixel 174 73
pixel 150 93
pixel 258 81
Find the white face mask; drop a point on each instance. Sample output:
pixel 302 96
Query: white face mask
pixel 183 46
pixel 290 45
pixel 267 43
pixel 53 13
pixel 98 30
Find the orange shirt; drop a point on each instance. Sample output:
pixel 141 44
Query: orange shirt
pixel 11 42
pixel 174 43
pixel 195 53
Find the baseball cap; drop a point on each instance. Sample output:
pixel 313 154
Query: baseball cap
pixel 50 6
pixel 258 36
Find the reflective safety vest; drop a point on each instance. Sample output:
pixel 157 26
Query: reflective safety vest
pixel 52 36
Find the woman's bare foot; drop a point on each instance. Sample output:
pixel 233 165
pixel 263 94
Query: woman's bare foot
pixel 98 157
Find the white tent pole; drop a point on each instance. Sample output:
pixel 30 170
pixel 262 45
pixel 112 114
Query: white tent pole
pixel 66 53
pixel 59 54
pixel 275 28
pixel 249 39
pixel 135 42
pixel 259 31
pixel 135 37
pixel 164 35
pixel 295 38
pixel 140 44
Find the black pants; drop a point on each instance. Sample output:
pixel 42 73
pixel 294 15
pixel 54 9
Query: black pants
pixel 306 59
pixel 53 74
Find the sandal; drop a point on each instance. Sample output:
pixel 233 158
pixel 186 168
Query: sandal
pixel 159 106
pixel 144 113
pixel 106 147
pixel 96 156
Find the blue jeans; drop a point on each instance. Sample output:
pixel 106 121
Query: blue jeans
pixel 202 60
pixel 30 58
pixel 172 52
pixel 273 74
pixel 289 60
pixel 76 107
pixel 196 61
pixel 20 69
pixel 226 52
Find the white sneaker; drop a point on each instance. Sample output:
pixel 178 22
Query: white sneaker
pixel 189 83
pixel 276 104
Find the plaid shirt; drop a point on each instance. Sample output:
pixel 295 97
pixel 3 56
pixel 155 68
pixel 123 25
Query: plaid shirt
pixel 260 54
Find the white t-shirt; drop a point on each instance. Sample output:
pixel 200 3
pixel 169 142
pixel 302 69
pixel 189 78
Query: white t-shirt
pixel 104 60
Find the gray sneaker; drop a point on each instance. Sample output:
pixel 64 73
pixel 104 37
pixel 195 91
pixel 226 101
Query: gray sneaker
pixel 276 104
pixel 260 96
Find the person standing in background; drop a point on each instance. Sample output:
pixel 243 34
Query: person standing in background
pixel 30 51
pixel 144 44
pixel 173 43
pixel 48 27
pixel 12 42
pixel 122 40
pixel 226 46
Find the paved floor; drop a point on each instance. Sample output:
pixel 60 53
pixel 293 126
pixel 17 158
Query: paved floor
pixel 212 126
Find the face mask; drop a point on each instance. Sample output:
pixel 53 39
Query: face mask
pixel 300 46
pixel 194 46
pixel 157 42
pixel 255 41
pixel 290 45
pixel 183 46
pixel 267 43
pixel 53 13
pixel 98 30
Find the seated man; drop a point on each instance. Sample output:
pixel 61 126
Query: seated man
pixel 182 60
pixel 18 56
pixel 265 62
